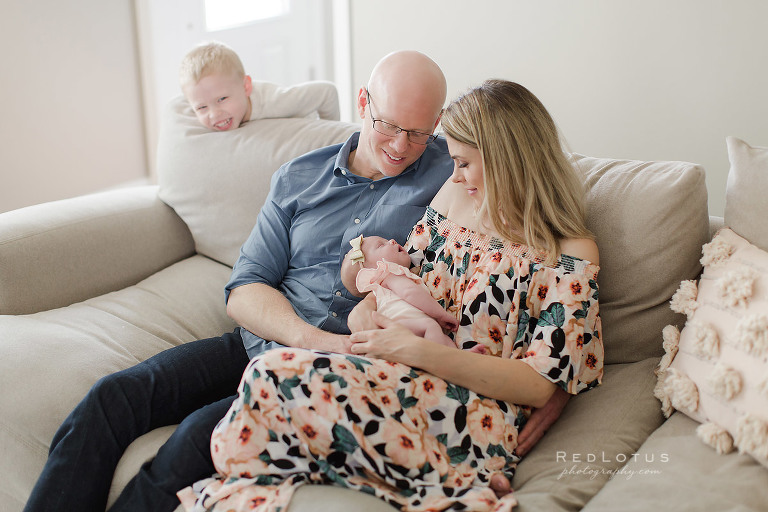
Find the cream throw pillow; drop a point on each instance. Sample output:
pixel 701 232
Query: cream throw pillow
pixel 746 207
pixel 716 369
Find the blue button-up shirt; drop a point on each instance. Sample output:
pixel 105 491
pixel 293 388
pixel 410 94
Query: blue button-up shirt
pixel 314 208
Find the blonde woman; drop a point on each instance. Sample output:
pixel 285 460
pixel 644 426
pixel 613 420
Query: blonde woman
pixel 419 424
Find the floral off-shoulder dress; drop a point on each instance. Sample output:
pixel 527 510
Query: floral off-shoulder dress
pixel 397 432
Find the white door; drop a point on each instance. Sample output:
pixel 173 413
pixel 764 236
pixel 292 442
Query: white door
pixel 281 41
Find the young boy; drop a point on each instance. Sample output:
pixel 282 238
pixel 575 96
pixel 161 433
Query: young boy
pixel 223 97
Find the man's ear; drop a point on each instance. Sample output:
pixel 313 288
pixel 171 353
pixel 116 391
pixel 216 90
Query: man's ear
pixel 439 117
pixel 362 102
pixel 248 85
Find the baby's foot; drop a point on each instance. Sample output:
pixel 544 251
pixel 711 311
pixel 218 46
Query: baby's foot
pixel 479 349
pixel 500 485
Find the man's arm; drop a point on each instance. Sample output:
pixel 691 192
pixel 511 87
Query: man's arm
pixel 267 313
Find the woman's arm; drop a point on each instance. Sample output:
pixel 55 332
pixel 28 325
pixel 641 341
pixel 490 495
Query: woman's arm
pixel 510 380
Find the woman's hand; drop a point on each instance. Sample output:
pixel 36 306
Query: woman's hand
pixel 360 317
pixel 388 340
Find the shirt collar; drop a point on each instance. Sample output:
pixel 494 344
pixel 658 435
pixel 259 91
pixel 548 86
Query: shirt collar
pixel 341 169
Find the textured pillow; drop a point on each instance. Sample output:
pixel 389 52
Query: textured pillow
pixel 745 205
pixel 650 220
pixel 716 369
pixel 218 181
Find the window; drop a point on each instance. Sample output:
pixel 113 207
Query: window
pixel 225 14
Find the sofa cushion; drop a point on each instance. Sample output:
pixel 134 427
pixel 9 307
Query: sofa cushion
pixel 650 220
pixel 716 370
pixel 673 470
pixel 54 357
pixel 218 181
pixel 596 434
pixel 745 206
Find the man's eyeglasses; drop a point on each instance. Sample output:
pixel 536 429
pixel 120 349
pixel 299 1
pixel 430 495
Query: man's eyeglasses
pixel 392 130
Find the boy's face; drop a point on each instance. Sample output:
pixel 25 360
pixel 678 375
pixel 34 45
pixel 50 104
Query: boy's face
pixel 220 101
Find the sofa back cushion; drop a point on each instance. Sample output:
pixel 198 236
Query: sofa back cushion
pixel 218 181
pixel 650 220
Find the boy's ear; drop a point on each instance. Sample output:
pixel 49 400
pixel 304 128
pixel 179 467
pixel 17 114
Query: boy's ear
pixel 248 85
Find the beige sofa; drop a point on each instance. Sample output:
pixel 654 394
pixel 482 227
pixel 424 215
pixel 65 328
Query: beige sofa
pixel 94 284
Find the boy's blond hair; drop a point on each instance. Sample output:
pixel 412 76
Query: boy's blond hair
pixel 209 58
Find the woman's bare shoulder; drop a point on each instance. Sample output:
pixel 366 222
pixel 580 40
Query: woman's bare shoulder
pixel 444 198
pixel 583 248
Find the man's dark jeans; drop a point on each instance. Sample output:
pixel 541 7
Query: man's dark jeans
pixel 192 385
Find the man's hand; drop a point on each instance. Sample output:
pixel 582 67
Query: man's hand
pixel 541 420
pixel 360 318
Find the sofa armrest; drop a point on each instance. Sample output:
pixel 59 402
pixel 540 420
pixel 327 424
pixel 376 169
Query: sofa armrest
pixel 55 254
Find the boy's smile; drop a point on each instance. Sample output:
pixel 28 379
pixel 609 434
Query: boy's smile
pixel 220 101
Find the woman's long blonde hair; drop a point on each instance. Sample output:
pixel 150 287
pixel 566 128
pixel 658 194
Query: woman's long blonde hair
pixel 533 195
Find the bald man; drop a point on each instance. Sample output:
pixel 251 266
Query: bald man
pixel 285 289
pixel 388 173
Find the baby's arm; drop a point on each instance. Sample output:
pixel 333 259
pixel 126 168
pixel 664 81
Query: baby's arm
pixel 298 100
pixel 420 298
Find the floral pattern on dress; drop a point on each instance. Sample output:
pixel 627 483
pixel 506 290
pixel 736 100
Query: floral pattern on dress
pixel 381 428
pixel 506 298
pixel 396 432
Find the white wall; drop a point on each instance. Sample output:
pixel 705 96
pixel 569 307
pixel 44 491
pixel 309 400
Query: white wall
pixel 652 80
pixel 71 118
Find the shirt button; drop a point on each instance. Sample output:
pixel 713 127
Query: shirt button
pixel 357 221
pixel 372 186
pixel 338 294
pixel 344 172
pixel 334 314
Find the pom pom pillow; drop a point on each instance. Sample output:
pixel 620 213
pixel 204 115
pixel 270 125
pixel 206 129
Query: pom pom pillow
pixel 716 369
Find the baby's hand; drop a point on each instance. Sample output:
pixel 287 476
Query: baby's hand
pixel 449 322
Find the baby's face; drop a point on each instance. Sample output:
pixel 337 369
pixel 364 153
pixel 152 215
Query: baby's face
pixel 220 101
pixel 377 248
